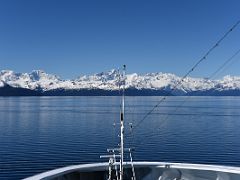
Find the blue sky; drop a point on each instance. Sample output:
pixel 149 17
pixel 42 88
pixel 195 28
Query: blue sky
pixel 70 38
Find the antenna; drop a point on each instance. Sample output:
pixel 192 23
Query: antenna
pixel 122 124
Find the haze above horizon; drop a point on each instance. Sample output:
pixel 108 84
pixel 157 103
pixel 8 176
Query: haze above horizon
pixel 70 38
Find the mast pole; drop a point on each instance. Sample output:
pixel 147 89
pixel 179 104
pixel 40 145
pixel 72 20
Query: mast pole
pixel 122 124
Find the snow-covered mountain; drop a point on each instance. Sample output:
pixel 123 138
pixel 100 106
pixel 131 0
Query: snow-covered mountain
pixel 109 81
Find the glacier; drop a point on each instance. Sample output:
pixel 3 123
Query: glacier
pixel 40 81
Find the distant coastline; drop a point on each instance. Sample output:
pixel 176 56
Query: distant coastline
pixel 13 91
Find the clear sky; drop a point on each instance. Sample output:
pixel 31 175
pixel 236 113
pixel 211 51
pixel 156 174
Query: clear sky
pixel 74 37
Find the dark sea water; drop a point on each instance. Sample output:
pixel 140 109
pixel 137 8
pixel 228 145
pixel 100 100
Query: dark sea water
pixel 43 133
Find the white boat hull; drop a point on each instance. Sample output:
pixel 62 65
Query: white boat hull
pixel 144 171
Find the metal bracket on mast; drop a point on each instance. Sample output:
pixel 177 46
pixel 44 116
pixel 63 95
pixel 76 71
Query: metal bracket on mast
pixel 112 162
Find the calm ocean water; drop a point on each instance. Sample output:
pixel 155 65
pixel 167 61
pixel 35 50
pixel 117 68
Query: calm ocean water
pixel 43 133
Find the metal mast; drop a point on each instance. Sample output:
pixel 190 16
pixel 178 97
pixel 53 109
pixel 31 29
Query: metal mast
pixel 122 124
pixel 120 149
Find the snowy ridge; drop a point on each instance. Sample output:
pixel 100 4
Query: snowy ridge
pixel 40 80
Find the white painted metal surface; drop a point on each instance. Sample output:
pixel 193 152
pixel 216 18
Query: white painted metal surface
pixel 159 170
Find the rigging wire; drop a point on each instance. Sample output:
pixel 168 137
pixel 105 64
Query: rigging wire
pixel 190 71
pixel 221 68
pixel 187 97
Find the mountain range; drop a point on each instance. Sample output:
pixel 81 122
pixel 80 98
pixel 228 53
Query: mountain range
pixel 40 83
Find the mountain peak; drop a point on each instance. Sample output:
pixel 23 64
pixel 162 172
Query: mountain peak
pixel 39 79
pixel 6 72
pixel 38 71
pixel 37 74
